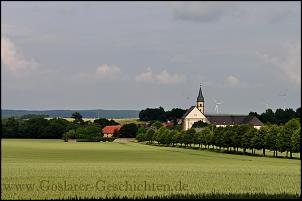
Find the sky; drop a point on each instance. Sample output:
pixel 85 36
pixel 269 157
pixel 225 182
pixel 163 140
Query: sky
pixel 134 55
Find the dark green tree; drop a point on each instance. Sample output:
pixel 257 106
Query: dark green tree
pixel 10 128
pixel 35 127
pixel 174 114
pixel 140 137
pixel 218 137
pixel 295 141
pixel 207 136
pixel 271 138
pixel 156 125
pixel 199 124
pixel 102 122
pixel 149 136
pixel 247 142
pixel 152 114
pixel 88 132
pixel 290 128
pixel 258 140
pixel 77 118
pixel 189 136
pixel 128 130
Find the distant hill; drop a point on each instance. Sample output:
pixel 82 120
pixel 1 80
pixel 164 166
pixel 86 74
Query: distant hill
pixel 67 113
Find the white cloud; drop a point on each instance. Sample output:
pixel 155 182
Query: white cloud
pixel 286 58
pixel 232 81
pixel 164 77
pixel 13 58
pixel 107 71
pixel 145 76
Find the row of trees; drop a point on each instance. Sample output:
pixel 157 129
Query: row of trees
pixel 280 116
pixel 282 138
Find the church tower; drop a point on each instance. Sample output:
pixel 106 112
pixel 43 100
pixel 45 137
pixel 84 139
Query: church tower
pixel 200 101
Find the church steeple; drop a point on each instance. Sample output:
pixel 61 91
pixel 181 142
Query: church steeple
pixel 200 101
pixel 200 96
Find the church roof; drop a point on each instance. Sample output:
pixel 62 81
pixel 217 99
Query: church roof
pixel 200 96
pixel 234 120
pixel 187 112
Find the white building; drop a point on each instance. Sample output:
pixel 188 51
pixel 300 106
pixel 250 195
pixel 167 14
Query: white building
pixel 196 113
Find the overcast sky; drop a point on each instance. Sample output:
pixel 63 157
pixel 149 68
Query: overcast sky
pixel 134 55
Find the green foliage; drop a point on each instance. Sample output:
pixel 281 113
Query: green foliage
pixel 156 124
pixel 269 137
pixel 247 140
pixel 199 124
pixel 159 114
pixel 77 118
pixel 177 127
pixel 10 128
pixel 149 136
pixel 140 137
pixel 296 140
pixel 259 139
pixel 174 114
pixel 152 114
pixel 88 132
pixel 102 122
pixel 189 136
pixel 35 127
pixel 279 117
pixel 71 134
pixel 141 134
pixel 128 130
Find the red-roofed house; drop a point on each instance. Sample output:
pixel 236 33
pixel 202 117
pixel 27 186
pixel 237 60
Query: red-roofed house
pixel 168 124
pixel 109 131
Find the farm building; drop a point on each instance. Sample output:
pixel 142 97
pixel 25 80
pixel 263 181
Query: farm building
pixel 109 131
pixel 196 113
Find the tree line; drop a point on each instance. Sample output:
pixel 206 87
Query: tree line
pixel 37 127
pixel 276 138
pixel 278 117
pixel 159 114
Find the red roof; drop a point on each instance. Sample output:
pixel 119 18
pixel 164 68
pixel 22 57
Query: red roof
pixel 111 129
pixel 168 123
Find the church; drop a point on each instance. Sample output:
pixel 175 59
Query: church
pixel 196 113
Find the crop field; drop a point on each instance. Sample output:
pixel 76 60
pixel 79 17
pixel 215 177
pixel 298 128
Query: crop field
pixel 121 121
pixel 53 169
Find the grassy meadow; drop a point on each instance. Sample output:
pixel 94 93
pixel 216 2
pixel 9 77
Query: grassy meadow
pixel 53 169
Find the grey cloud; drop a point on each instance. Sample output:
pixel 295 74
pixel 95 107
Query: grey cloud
pixel 286 58
pixel 201 11
pixel 164 77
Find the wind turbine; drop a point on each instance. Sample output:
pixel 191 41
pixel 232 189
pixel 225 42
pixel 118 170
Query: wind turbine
pixel 283 95
pixel 216 106
pixel 267 104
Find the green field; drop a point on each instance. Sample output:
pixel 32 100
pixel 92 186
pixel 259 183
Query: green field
pixel 53 169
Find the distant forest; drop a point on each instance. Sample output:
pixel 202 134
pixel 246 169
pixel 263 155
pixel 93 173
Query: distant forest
pixel 67 113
